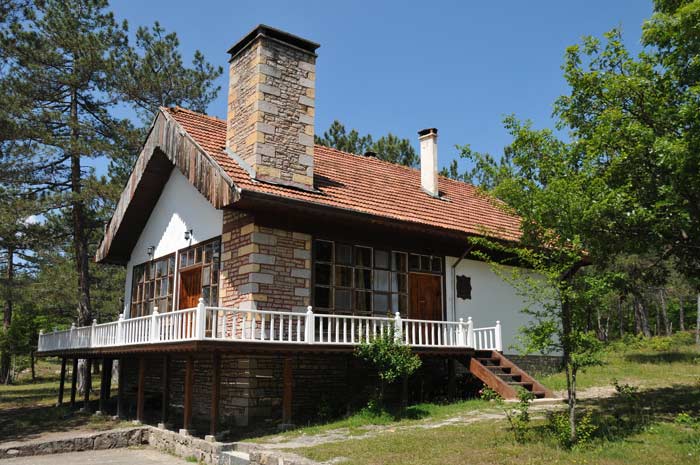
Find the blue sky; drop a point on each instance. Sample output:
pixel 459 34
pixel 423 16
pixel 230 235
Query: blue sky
pixel 400 66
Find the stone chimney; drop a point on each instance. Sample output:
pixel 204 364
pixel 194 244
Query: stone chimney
pixel 428 161
pixel 270 120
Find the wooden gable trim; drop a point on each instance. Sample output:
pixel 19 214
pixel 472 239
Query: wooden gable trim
pixel 168 145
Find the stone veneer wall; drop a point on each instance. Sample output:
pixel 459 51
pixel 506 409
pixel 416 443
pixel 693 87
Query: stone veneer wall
pixel 251 387
pixel 270 122
pixel 263 268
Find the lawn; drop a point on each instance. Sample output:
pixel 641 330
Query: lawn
pixel 27 409
pixel 641 364
pixel 639 426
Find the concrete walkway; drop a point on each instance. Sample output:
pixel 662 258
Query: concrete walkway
pixel 101 457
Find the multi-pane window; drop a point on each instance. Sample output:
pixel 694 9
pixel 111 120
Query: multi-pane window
pixel 152 286
pixel 359 280
pixel 424 263
pixel 200 263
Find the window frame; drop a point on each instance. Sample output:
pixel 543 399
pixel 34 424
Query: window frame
pixel 214 269
pixel 139 288
pixel 397 299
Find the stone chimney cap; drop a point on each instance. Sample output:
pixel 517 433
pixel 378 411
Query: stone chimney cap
pixel 427 132
pixel 262 30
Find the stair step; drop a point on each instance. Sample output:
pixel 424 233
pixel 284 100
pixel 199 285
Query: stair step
pixel 495 368
pixel 511 376
pixel 235 457
pixel 524 384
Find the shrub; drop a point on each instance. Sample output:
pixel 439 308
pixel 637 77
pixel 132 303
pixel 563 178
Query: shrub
pixel 486 393
pixel 560 428
pixel 391 358
pixel 519 418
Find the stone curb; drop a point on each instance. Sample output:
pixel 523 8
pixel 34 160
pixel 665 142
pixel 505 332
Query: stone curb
pixel 110 439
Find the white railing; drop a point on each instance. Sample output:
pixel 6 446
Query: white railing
pixel 229 324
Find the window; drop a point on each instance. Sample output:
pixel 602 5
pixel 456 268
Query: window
pixel 425 263
pixel 152 286
pixel 201 262
pixel 359 280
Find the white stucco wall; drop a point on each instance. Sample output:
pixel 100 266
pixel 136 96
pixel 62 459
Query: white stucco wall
pixel 180 208
pixel 493 298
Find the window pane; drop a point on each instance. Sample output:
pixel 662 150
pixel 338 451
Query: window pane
pixel 363 257
pixel 170 283
pixel 343 299
pixel 414 262
pixel 206 276
pixel 207 252
pixel 198 255
pixel 323 274
pixel 425 263
pixel 343 276
pixel 205 295
pixel 214 276
pixel 163 305
pixel 398 261
pixel 437 264
pixel 151 289
pixel 363 279
pixel 171 265
pixel 322 297
pixel 381 259
pixel 161 268
pixel 163 287
pixel 381 304
pixel 403 304
pixel 183 259
pixel 323 251
pixel 398 282
pixel 343 254
pixel 151 270
pixel 381 280
pixel 363 302
pixel 214 299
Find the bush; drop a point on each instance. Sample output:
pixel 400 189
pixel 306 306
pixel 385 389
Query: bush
pixel 488 394
pixel 391 358
pixel 519 418
pixel 559 427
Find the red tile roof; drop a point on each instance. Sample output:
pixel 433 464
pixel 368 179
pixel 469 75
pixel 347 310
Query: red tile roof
pixel 366 185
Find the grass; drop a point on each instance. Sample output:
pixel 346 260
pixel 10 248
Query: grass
pixel 635 427
pixel 27 409
pixel 365 419
pixel 491 443
pixel 639 364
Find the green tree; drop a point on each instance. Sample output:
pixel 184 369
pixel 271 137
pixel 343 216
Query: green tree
pixel 390 147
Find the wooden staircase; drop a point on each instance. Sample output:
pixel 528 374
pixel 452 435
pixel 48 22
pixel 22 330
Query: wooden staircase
pixel 504 376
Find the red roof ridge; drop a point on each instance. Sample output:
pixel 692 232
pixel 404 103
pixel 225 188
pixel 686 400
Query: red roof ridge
pixel 178 108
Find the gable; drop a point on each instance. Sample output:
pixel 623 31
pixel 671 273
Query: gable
pixel 167 147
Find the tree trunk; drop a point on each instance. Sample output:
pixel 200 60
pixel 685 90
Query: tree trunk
pixel 5 357
pixel 681 314
pixel 80 242
pixel 567 329
pixel 641 317
pixel 664 313
pixel 697 324
pixel 621 316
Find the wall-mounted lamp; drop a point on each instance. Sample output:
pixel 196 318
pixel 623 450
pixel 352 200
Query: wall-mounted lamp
pixel 188 234
pixel 150 250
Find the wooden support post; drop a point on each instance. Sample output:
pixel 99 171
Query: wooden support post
pixel 109 364
pixel 140 393
pixel 288 392
pixel 215 393
pixel 165 404
pixel 120 389
pixel 189 380
pixel 87 384
pixel 74 382
pixel 62 382
pixel 451 381
pixel 105 384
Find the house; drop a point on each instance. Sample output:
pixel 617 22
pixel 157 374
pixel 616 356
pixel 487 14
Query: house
pixel 257 260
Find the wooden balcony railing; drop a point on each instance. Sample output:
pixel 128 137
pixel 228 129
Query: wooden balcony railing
pixel 237 325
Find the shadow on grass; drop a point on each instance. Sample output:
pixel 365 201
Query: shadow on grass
pixel 631 412
pixel 664 357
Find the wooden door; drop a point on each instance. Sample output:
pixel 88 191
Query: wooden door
pixel 190 288
pixel 426 296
